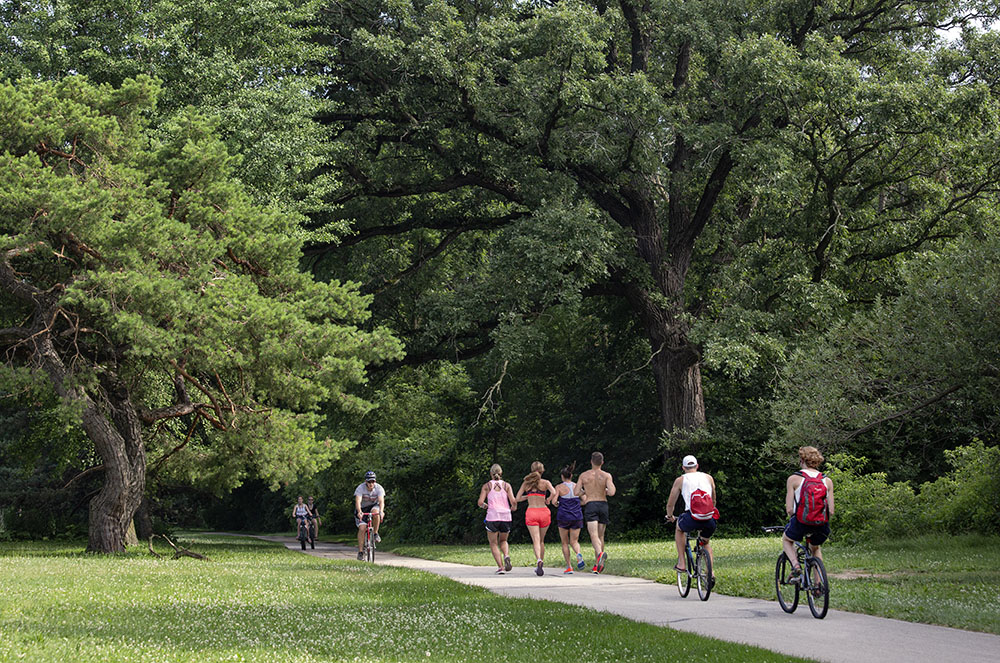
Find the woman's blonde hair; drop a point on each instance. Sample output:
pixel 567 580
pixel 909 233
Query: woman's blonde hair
pixel 811 457
pixel 496 471
pixel 531 481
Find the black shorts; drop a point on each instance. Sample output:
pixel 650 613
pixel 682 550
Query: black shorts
pixel 497 526
pixel 596 511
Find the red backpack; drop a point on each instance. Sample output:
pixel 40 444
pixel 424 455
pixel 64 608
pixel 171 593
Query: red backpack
pixel 702 507
pixel 811 506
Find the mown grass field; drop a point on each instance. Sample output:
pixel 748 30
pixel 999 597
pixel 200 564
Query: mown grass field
pixel 947 580
pixel 256 601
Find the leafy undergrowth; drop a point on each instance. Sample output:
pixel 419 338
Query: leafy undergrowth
pixel 947 580
pixel 255 601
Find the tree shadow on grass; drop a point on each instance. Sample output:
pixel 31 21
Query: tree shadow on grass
pixel 203 544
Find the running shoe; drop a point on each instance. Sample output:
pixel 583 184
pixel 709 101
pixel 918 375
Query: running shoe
pixel 361 555
pixel 507 565
pixel 595 569
pixel 601 562
pixel 568 571
pixel 499 572
pixel 538 569
pixel 579 562
pixel 378 539
pixel 796 576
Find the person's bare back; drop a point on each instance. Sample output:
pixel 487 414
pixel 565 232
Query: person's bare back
pixel 594 484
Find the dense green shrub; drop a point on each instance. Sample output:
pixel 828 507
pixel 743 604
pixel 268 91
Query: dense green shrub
pixel 867 504
pixel 967 499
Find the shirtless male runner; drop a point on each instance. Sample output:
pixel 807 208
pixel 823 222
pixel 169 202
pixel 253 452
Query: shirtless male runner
pixel 596 486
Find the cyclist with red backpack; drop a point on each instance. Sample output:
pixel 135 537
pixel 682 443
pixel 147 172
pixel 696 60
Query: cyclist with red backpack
pixel 809 504
pixel 700 513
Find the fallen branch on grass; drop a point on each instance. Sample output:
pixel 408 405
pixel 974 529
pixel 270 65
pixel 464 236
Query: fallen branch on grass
pixel 178 552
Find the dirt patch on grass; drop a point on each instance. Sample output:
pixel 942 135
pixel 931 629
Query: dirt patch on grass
pixel 857 574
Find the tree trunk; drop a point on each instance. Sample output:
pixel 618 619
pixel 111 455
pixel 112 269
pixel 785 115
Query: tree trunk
pixel 675 361
pixel 110 421
pixel 118 440
pixel 113 508
pixel 143 521
pixel 678 389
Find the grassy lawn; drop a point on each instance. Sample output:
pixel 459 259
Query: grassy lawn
pixel 255 601
pixel 951 580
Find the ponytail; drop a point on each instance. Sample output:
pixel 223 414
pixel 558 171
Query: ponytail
pixel 531 481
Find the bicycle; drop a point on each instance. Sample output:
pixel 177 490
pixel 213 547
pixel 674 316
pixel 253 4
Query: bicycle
pixel 369 546
pixel 812 581
pixel 699 567
pixel 305 533
pixel 313 531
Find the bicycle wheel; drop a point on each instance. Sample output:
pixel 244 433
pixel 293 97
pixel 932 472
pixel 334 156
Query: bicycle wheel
pixel 818 592
pixel 370 547
pixel 788 593
pixel 684 580
pixel 703 570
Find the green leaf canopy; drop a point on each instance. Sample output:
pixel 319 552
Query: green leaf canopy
pixel 138 278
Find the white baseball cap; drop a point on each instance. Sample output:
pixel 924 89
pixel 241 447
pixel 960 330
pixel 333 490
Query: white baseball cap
pixel 689 461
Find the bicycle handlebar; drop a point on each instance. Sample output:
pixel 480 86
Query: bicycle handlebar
pixel 773 529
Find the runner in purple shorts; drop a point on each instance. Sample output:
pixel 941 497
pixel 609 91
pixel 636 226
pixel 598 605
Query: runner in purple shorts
pixel 569 518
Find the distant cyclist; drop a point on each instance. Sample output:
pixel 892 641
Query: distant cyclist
pixel 700 513
pixel 313 517
pixel 300 512
pixel 809 505
pixel 369 509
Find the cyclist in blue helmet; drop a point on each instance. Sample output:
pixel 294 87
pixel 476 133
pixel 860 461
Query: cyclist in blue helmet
pixel 369 509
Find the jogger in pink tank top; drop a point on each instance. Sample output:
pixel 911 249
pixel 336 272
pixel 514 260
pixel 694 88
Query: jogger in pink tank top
pixel 497 497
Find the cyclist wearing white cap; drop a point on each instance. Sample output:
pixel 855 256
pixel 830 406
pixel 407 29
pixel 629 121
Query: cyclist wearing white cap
pixel 700 513
pixel 369 509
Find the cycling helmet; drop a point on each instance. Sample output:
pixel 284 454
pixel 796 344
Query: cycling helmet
pixel 369 476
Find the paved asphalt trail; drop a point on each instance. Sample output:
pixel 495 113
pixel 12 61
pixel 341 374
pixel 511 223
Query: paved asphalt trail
pixel 843 637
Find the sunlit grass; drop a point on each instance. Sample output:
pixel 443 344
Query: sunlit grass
pixel 255 601
pixel 946 580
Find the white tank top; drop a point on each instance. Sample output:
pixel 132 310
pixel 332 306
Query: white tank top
pixel 798 488
pixel 694 481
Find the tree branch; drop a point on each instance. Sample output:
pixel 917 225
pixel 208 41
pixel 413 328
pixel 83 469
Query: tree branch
pixel 461 224
pixel 162 459
pixel 417 264
pixel 488 396
pixel 636 370
pixel 216 421
pixel 898 415
pixel 85 473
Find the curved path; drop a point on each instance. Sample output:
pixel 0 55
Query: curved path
pixel 843 637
